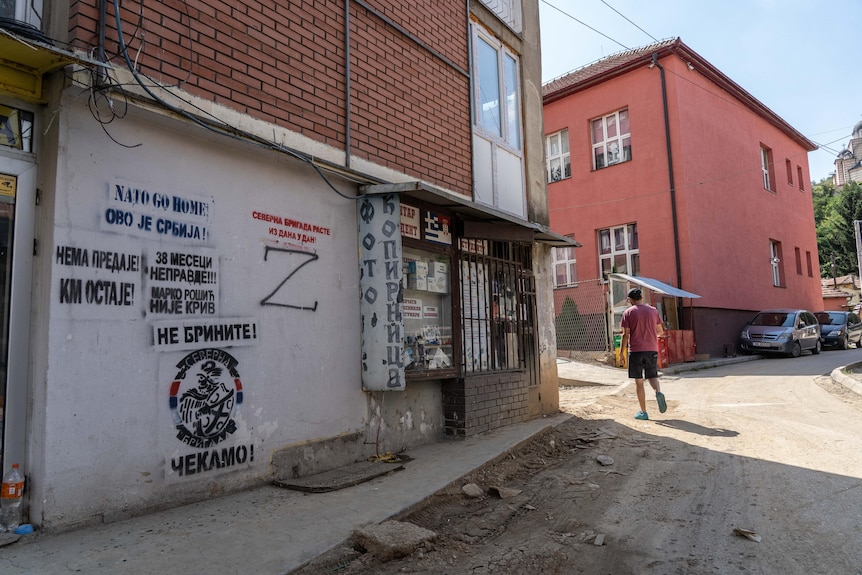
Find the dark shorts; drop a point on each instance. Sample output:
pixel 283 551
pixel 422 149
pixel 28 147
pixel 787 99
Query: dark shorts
pixel 643 364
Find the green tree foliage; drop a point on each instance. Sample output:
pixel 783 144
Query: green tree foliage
pixel 834 214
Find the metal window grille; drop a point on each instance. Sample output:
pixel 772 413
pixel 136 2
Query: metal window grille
pixel 498 307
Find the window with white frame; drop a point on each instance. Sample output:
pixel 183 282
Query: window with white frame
pixel 612 141
pixel 565 267
pixel 618 250
pixel 498 160
pixel 29 11
pixel 557 150
pixel 766 166
pixel 777 264
pixel 16 128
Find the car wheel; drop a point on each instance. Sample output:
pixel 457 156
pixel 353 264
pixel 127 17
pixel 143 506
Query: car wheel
pixel 816 349
pixel 796 350
pixel 844 343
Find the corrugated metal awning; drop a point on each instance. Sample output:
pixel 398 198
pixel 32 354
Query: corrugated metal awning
pixel 469 210
pixel 655 285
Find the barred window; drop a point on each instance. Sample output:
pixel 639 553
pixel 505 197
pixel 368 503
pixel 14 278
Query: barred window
pixel 498 301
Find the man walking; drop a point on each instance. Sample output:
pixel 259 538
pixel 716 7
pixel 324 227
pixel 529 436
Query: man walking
pixel 641 329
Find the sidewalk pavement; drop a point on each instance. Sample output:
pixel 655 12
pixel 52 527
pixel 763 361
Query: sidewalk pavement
pixel 271 530
pixel 263 531
pixel 576 373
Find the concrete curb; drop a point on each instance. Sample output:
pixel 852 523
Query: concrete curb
pixel 582 383
pixel 838 376
pixel 695 366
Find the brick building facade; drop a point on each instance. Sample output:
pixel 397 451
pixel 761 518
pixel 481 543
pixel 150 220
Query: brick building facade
pixel 271 239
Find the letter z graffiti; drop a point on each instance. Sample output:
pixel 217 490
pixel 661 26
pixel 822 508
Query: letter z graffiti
pixel 293 260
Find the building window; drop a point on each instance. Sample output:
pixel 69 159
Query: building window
pixel 22 11
pixel 612 142
pixel 559 164
pixel 799 177
pixel 618 250
pixel 509 11
pixel 808 261
pixel 789 167
pixel 777 264
pixel 798 261
pixel 565 267
pixel 16 128
pixel 498 163
pixel 766 167
pixel 498 295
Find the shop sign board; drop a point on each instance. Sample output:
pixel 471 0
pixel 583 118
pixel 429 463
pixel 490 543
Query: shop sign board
pixel 381 293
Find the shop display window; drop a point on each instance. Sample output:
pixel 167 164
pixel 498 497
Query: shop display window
pixel 427 312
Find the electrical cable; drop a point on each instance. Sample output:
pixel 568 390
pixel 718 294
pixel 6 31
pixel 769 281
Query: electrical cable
pixel 25 30
pixel 629 21
pixel 821 146
pixel 584 24
pixel 218 127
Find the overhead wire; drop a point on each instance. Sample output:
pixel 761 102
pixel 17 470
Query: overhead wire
pixel 217 125
pixel 564 13
pixel 629 21
pixel 820 146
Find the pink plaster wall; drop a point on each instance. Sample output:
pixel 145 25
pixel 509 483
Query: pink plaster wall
pixel 725 216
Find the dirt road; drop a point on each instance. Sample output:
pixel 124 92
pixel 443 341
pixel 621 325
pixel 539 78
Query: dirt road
pixel 767 447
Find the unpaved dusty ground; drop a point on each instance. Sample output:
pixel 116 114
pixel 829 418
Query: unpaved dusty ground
pixel 663 506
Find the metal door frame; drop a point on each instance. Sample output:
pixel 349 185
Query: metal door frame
pixel 21 165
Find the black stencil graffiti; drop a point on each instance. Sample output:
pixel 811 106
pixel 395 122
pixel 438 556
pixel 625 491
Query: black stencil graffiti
pixel 280 297
pixel 207 408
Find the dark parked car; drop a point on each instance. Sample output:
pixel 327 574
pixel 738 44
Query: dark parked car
pixel 787 331
pixel 840 328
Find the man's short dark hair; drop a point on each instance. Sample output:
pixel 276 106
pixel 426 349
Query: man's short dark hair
pixel 635 294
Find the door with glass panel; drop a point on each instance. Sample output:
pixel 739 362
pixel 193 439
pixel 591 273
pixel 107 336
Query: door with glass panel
pixel 17 211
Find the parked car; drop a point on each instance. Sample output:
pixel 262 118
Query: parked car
pixel 787 331
pixel 840 328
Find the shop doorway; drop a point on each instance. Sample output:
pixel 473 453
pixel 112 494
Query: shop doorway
pixel 17 216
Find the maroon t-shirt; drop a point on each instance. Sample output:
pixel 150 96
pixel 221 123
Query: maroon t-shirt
pixel 641 319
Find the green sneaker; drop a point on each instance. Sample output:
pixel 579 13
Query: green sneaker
pixel 641 415
pixel 662 404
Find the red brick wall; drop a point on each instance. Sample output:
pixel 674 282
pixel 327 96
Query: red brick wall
pixel 283 62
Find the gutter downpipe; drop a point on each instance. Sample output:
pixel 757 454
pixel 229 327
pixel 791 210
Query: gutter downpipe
pixel 103 17
pixel 470 103
pixel 672 185
pixel 347 84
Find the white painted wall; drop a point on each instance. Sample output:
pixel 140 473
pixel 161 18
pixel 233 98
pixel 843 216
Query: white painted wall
pixel 103 394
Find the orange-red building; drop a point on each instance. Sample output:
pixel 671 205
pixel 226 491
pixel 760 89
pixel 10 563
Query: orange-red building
pixel 664 168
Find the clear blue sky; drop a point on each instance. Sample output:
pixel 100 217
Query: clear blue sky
pixel 800 58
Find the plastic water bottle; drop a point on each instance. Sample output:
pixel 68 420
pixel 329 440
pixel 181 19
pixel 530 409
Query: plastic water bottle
pixel 11 496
